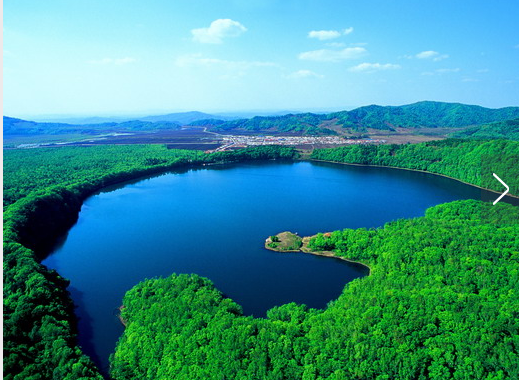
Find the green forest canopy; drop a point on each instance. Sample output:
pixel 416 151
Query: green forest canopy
pixel 442 300
pixel 508 129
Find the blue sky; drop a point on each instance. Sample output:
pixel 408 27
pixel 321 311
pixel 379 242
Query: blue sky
pixel 143 57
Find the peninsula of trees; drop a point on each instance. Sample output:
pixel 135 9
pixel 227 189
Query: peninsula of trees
pixel 440 303
pixel 284 242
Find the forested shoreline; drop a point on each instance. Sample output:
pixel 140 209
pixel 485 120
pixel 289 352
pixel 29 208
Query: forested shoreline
pixel 441 303
pixel 44 190
pixel 469 161
pixel 43 193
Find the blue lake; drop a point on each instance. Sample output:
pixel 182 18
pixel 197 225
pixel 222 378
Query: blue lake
pixel 214 221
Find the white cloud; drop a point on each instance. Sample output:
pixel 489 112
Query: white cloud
pixel 198 60
pixel 217 31
pixel 342 44
pixel 372 67
pixel 442 71
pixel 336 44
pixel 327 55
pixel 324 34
pixel 440 57
pixel 328 34
pixel 427 54
pixel 112 61
pixel 305 74
pixel 446 71
pixel 431 54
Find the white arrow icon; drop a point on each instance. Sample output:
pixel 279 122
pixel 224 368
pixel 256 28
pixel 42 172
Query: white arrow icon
pixel 502 183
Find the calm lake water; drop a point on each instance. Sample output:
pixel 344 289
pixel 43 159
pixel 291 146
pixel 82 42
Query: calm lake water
pixel 214 221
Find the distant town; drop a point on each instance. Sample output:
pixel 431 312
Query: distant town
pixel 234 141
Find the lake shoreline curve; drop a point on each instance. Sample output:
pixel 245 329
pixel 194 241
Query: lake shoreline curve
pixel 412 170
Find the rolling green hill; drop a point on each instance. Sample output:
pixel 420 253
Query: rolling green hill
pixel 307 123
pixel 508 129
pixel 423 114
pixel 418 115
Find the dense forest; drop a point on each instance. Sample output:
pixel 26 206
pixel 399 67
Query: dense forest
pixel 467 160
pixel 508 129
pixel 43 193
pixel 441 302
pixel 34 171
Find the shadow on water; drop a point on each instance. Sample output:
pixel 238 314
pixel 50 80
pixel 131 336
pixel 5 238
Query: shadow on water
pixel 121 185
pixel 85 328
pixel 490 196
pixel 364 270
pixel 193 169
pixel 57 245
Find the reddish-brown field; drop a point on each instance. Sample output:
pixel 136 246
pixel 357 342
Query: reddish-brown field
pixel 405 135
pixel 198 139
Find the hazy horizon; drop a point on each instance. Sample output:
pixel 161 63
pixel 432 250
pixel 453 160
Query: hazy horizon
pixel 230 113
pixel 93 58
pixel 123 114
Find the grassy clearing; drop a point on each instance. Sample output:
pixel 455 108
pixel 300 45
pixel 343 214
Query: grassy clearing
pixel 284 242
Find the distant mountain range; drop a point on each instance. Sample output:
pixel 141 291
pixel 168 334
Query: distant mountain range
pixel 418 115
pixel 425 114
pixel 182 118
pixel 19 127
